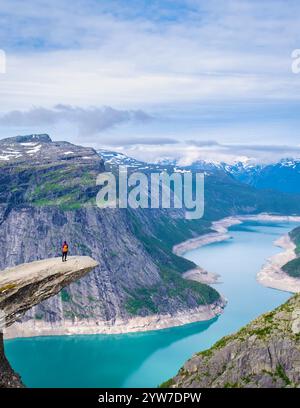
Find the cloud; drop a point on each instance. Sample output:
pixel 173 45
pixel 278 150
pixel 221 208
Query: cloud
pixel 135 141
pixel 153 52
pixel 256 150
pixel 89 121
pixel 160 56
pixel 203 143
pixel 188 153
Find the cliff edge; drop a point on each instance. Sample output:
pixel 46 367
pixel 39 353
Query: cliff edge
pixel 26 285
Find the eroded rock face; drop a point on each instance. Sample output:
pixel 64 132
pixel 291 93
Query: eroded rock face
pixel 26 285
pixel 265 353
pixel 47 195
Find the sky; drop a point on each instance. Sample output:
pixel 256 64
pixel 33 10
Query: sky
pixel 168 79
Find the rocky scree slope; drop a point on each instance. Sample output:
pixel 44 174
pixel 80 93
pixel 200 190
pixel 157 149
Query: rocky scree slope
pixel 264 354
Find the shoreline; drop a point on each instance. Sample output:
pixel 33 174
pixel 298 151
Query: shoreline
pixel 272 275
pixel 269 276
pixel 220 230
pixel 219 234
pixel 120 326
pixel 201 275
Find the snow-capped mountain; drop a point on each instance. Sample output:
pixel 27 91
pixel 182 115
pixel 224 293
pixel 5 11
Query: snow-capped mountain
pixel 199 165
pixel 40 149
pixel 282 176
pixel 243 171
pixel 114 159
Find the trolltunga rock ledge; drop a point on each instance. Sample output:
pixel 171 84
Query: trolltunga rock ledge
pixel 26 285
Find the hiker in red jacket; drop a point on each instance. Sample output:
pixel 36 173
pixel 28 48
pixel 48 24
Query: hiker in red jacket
pixel 65 249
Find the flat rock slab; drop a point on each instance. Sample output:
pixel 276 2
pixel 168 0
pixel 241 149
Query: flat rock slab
pixel 26 285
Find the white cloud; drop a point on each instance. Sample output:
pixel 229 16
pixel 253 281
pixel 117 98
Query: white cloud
pixel 167 55
pixel 89 121
pixel 221 50
pixel 187 153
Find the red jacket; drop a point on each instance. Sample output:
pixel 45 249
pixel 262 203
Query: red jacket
pixel 65 248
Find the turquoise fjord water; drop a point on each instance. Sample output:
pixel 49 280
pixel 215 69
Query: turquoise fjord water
pixel 147 359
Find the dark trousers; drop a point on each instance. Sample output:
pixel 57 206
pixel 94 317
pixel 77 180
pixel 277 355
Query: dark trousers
pixel 64 256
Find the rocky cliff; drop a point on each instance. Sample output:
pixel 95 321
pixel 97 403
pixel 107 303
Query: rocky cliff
pixel 26 285
pixel 265 353
pixel 47 194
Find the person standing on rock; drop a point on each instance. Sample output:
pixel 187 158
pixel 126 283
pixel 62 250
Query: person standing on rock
pixel 65 249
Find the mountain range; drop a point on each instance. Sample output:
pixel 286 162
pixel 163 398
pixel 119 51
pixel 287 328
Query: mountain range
pixel 47 194
pixel 281 176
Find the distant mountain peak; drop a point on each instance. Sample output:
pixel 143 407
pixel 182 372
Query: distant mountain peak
pixel 39 149
pixel 34 138
pixel 289 162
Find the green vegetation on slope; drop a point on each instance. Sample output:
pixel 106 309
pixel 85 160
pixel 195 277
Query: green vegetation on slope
pixel 160 246
pixel 295 236
pixel 292 268
pixel 175 287
pixel 261 354
pixel 65 185
pixel 170 265
pixel 68 188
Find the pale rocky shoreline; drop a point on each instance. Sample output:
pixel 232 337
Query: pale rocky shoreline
pixel 137 324
pixel 270 275
pixel 201 275
pixel 221 234
pixel 220 230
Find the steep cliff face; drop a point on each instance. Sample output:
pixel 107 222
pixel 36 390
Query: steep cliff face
pixel 8 378
pixel 26 285
pixel 47 194
pixel 265 353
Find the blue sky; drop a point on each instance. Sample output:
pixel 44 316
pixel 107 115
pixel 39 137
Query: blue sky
pixel 184 78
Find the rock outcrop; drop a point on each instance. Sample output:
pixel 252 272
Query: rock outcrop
pixel 264 354
pixel 26 285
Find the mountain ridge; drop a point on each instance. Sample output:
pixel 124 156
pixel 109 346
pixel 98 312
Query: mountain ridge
pixel 283 175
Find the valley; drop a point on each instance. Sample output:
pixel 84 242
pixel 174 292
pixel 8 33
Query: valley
pixel 148 359
pixel 47 194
